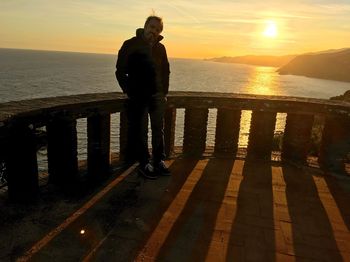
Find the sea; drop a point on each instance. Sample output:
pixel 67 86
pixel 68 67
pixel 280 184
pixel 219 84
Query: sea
pixel 28 74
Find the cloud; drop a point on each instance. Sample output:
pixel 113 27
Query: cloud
pixel 181 11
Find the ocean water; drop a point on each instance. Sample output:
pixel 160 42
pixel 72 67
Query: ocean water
pixel 26 74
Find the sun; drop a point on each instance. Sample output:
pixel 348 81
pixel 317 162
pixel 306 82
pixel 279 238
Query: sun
pixel 270 29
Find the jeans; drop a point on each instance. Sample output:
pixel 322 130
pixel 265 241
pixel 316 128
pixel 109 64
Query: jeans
pixel 138 110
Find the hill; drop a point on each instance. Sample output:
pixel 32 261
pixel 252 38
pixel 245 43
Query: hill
pixel 275 61
pixel 332 65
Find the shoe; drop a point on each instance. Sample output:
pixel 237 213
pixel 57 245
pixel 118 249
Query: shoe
pixel 161 169
pixel 147 171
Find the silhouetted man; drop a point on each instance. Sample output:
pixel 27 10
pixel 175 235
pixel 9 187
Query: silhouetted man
pixel 143 74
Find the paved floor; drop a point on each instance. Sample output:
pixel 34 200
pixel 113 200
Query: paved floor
pixel 208 210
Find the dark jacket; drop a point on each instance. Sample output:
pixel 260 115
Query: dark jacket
pixel 142 70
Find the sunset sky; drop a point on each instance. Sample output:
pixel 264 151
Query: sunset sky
pixel 193 29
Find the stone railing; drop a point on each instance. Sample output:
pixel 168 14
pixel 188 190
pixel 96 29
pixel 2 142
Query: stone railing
pixel 19 120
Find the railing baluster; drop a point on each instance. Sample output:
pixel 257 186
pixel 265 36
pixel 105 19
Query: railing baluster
pixel 261 134
pixel 335 143
pixel 123 135
pixel 62 151
pixel 227 132
pixel 99 127
pixel 195 132
pixel 169 130
pixel 21 164
pixel 297 137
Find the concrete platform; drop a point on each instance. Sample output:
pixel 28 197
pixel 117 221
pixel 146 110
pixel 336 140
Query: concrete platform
pixel 208 210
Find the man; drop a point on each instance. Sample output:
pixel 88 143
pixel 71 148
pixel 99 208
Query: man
pixel 143 74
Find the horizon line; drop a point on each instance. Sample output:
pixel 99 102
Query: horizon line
pixel 206 58
pixel 81 52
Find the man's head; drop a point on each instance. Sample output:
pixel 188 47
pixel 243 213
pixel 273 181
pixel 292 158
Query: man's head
pixel 152 28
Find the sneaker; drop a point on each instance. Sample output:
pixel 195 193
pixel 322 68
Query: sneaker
pixel 148 171
pixel 161 169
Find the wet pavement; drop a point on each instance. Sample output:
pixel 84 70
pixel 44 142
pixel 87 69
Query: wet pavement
pixel 208 210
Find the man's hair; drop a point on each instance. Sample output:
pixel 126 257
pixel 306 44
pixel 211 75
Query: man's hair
pixel 151 17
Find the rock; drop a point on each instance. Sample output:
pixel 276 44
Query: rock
pixel 344 97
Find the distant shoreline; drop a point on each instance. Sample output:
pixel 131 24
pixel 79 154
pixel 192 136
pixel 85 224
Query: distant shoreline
pixel 328 64
pixel 272 61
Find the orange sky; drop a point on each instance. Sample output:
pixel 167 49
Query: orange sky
pixel 193 29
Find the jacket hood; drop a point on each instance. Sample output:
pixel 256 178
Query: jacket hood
pixel 139 33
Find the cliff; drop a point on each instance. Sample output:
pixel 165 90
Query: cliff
pixel 332 65
pixel 275 61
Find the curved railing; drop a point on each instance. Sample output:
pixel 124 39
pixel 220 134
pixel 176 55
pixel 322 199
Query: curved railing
pixel 19 120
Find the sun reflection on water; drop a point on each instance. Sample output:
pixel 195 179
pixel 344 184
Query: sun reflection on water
pixel 263 81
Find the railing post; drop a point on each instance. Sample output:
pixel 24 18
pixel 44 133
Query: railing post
pixel 21 164
pixel 195 132
pixel 335 143
pixel 227 132
pixel 98 145
pixel 261 135
pixel 123 135
pixel 4 140
pixel 169 130
pixel 297 137
pixel 62 151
